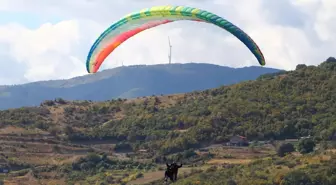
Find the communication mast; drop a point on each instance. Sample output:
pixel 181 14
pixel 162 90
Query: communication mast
pixel 170 51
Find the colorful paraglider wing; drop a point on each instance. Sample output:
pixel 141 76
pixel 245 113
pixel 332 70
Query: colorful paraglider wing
pixel 137 22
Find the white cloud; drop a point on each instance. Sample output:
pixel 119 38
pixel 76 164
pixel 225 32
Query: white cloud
pixel 288 32
pixel 325 24
pixel 45 51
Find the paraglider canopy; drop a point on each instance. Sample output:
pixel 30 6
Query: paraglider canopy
pixel 137 22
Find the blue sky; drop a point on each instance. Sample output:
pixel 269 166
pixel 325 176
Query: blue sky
pixel 28 19
pixel 42 40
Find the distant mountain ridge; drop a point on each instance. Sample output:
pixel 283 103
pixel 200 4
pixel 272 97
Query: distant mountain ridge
pixel 129 82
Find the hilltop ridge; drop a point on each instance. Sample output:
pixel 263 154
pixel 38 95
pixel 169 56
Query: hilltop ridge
pixel 129 82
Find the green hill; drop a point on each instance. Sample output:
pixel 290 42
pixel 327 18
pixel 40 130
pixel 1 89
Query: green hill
pixel 53 143
pixel 288 105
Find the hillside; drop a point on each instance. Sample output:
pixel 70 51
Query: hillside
pixel 287 105
pixel 129 82
pixel 53 143
pixel 311 169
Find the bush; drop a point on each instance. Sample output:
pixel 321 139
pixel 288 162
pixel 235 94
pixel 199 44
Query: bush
pixel 306 146
pixel 296 177
pixel 285 149
pixel 291 165
pixel 48 103
pixel 60 101
pixel 139 175
pixel 231 182
pixel 211 169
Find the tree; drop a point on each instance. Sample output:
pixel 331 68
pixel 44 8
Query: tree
pixel 300 66
pixel 60 101
pixel 306 146
pixel 92 157
pixel 48 103
pixel 296 177
pixel 326 134
pixel 285 148
pixel 331 59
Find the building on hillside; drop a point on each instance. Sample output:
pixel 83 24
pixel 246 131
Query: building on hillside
pixel 238 141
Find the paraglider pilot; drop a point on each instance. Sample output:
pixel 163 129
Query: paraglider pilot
pixel 172 171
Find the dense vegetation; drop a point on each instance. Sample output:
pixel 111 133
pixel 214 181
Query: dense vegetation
pixel 97 165
pixel 128 82
pixel 273 171
pixel 274 107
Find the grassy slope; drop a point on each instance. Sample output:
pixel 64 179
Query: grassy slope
pixel 289 105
